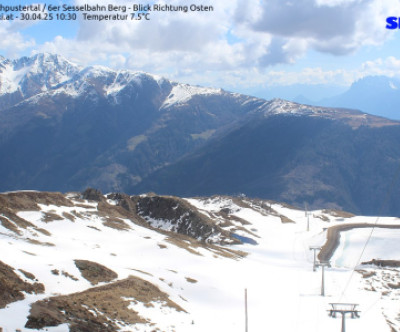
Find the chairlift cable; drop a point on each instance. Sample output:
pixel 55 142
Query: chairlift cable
pixel 384 203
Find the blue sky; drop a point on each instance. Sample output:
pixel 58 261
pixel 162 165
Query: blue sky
pixel 242 45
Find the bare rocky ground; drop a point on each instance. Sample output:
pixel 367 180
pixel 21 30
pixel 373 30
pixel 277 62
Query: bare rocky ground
pixel 98 308
pixel 95 272
pixel 383 276
pixel 12 287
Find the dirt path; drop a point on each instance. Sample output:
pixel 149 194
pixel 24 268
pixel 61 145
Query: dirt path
pixel 333 237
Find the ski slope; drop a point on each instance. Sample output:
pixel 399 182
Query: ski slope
pixel 283 291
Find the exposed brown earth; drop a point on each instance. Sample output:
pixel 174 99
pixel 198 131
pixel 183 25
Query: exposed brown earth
pixel 116 223
pixel 11 203
pixel 338 213
pixel 286 220
pixel 28 275
pixel 69 216
pixel 29 200
pixel 12 222
pixel 383 263
pixel 49 217
pixel 12 286
pixel 95 272
pixel 34 241
pixel 193 246
pixel 98 308
pixel 191 280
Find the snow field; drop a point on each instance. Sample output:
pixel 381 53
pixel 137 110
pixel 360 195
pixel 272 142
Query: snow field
pixel 283 291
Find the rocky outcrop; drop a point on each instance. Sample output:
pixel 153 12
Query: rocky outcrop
pixel 175 214
pixel 92 194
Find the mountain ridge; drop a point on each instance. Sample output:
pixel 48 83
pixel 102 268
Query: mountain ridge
pixel 117 130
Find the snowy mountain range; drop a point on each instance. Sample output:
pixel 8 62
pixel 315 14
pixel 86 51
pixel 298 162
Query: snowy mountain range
pixel 51 74
pixel 92 262
pixel 64 128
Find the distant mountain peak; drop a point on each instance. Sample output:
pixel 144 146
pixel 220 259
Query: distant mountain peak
pixel 378 95
pixel 28 76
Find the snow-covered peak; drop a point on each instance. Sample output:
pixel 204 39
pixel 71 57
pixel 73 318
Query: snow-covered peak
pixel 106 80
pixel 181 93
pixel 36 74
pixel 30 77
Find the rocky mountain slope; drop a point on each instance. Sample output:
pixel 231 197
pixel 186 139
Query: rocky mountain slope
pixel 87 262
pixel 64 128
pixel 295 153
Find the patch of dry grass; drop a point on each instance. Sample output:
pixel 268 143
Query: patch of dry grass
pixel 338 213
pixel 109 302
pixel 49 217
pixel 286 220
pixel 12 287
pixel 36 242
pixel 95 272
pixel 116 223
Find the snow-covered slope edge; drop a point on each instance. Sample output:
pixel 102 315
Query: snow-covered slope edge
pixel 132 264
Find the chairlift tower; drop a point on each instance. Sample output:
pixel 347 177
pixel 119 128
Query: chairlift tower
pixel 323 264
pixel 315 248
pixel 343 309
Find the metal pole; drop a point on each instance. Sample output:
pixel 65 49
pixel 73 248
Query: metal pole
pixel 323 265
pixel 245 310
pixel 343 322
pixel 315 259
pixel 308 216
pixel 323 281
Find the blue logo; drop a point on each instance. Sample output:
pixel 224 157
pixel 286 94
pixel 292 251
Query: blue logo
pixel 393 23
